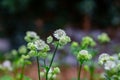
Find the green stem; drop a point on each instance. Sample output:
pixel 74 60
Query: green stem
pixel 51 61
pixel 22 72
pixel 92 68
pixel 38 67
pixel 79 71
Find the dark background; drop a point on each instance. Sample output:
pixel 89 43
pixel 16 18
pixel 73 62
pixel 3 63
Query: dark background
pixel 44 16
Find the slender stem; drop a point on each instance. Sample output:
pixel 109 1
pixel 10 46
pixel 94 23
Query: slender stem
pixel 44 62
pixel 51 61
pixel 38 67
pixel 21 77
pixel 92 68
pixel 79 71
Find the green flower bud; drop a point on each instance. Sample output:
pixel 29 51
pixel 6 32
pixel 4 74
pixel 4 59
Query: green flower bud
pixel 54 76
pixel 56 70
pixel 42 74
pixel 31 46
pixel 32 53
pixel 14 52
pixel 22 49
pixel 103 38
pixel 86 67
pixel 25 56
pixel 49 39
pixel 42 54
pixel 83 55
pixel 31 36
pixel 64 40
pixel 74 44
pixel 49 75
pixel 88 41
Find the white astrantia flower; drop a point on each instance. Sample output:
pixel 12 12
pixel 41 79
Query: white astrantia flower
pixel 83 55
pixel 31 33
pixel 40 44
pixel 31 36
pixel 103 58
pixel 7 65
pixel 59 33
pixel 109 65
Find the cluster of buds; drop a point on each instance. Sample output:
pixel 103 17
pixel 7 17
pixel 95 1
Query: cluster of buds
pixel 52 74
pixel 111 65
pixel 37 46
pixel 103 38
pixel 83 55
pixel 62 37
pixel 21 56
pixel 87 41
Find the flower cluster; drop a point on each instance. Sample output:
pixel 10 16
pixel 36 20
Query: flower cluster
pixel 37 46
pixel 103 38
pixel 88 41
pixel 111 65
pixel 52 74
pixel 31 36
pixel 83 55
pixel 62 37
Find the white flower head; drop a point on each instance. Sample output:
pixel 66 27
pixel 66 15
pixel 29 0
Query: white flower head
pixel 40 44
pixel 31 34
pixel 83 52
pixel 109 65
pixel 7 65
pixel 103 58
pixel 83 55
pixel 59 33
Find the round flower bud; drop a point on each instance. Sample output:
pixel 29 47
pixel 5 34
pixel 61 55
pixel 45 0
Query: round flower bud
pixel 42 54
pixel 14 52
pixel 31 46
pixel 31 36
pixel 88 41
pixel 64 40
pixel 103 38
pixel 83 55
pixel 59 33
pixel 109 65
pixel 32 53
pixel 25 56
pixel 74 44
pixel 56 70
pixel 42 74
pixel 49 39
pixel 103 58
pixel 22 49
